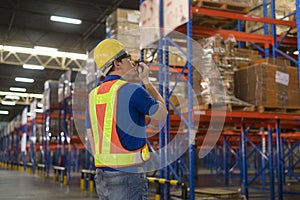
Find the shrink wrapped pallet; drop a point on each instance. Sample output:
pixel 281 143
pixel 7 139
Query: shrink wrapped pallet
pixel 50 99
pixel 217 57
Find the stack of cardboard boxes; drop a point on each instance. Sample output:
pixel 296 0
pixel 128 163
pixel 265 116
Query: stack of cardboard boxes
pixel 269 83
pixel 123 25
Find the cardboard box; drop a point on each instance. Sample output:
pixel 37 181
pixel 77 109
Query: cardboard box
pixel 123 15
pixel 268 85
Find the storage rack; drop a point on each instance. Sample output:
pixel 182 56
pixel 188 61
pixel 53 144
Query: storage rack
pixel 268 41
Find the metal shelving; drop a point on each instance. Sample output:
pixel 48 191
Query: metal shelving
pixel 270 42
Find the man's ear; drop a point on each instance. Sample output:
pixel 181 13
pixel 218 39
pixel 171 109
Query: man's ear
pixel 116 64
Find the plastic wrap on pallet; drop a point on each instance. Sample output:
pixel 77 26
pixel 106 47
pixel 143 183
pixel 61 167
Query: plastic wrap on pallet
pixel 60 90
pixel 67 84
pixel 216 57
pixel 91 70
pixel 50 98
pixel 64 88
pixel 269 83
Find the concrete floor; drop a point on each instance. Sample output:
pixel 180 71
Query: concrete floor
pixel 18 185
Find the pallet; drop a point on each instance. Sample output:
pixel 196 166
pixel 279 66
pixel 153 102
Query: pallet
pixel 228 106
pixel 291 33
pixel 267 109
pixel 225 6
pixel 209 21
pixel 217 193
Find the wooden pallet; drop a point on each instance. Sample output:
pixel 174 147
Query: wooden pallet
pixel 224 5
pixel 239 107
pixel 267 109
pixel 228 106
pixel 209 21
pixel 218 193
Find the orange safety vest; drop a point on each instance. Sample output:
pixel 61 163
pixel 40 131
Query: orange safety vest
pixel 108 150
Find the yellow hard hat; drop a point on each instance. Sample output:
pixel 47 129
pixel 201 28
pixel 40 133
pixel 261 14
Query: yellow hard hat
pixel 106 51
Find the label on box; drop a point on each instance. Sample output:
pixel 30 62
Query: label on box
pixel 134 18
pixel 282 78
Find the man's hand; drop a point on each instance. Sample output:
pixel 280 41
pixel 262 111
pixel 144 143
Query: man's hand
pixel 143 72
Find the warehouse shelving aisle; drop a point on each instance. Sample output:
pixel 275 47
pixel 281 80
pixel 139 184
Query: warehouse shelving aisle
pixel 271 123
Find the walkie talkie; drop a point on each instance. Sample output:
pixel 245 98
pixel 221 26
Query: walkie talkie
pixel 139 67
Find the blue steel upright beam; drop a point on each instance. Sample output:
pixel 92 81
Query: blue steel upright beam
pixel 271 163
pixel 266 31
pixel 273 13
pixel 166 95
pixel 18 144
pixel 190 105
pixel 225 160
pixel 240 29
pixel 162 133
pixel 279 160
pixel 244 162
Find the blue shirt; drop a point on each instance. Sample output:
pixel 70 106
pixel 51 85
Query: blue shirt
pixel 133 103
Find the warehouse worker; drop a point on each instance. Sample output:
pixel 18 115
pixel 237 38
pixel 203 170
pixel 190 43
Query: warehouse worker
pixel 117 111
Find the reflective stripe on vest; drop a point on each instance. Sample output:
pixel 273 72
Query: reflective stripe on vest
pixel 103 155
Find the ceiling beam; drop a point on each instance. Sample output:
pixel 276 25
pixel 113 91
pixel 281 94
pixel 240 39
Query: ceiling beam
pixel 61 61
pixel 25 98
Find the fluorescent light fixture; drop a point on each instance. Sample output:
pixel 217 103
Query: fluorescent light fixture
pixel 37 67
pixel 296 52
pixel 8 103
pixel 30 95
pixel 25 80
pixel 45 49
pixel 17 89
pixel 4 112
pixel 15 97
pixel 65 20
pixel 35 51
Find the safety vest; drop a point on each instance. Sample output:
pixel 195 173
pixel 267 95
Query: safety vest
pixel 108 150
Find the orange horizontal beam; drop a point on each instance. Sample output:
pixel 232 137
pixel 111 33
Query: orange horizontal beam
pixel 240 36
pixel 238 16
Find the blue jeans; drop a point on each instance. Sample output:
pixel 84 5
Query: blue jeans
pixel 118 185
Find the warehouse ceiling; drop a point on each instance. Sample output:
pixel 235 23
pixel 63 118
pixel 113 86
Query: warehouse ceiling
pixel 26 23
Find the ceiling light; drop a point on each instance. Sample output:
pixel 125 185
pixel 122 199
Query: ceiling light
pixel 15 97
pixel 8 103
pixel 35 51
pixel 296 52
pixel 30 95
pixel 65 20
pixel 37 67
pixel 16 89
pixel 4 112
pixel 25 80
pixel 45 49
